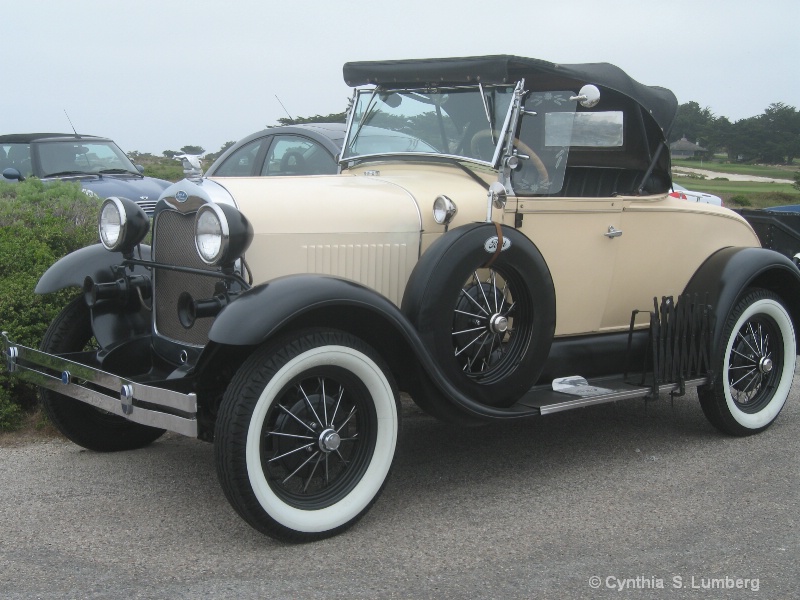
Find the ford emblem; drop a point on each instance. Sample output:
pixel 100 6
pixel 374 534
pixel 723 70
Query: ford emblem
pixel 181 196
pixel 491 244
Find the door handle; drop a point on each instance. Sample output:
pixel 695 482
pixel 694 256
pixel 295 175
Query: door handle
pixel 613 232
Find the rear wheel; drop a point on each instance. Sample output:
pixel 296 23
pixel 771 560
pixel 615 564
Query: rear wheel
pixel 306 435
pixel 85 425
pixel 755 366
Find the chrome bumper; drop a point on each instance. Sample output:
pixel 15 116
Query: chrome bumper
pixel 102 390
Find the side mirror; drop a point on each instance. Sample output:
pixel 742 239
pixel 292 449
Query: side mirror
pixel 139 168
pixel 13 174
pixel 588 96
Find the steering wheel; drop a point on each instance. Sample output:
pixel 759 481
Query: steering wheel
pixel 480 136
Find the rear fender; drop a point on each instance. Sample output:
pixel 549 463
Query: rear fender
pixel 725 275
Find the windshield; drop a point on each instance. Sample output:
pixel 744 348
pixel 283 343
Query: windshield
pixel 462 122
pixel 83 157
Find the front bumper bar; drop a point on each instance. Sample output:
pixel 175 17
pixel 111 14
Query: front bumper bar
pixel 139 403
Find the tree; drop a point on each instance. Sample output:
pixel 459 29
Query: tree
pixel 781 125
pixel 212 156
pixel 694 123
pixel 340 117
pixel 192 150
pixel 772 137
pixel 796 184
pixel 719 135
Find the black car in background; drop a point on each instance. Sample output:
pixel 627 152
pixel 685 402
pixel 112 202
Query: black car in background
pixel 96 163
pixel 308 149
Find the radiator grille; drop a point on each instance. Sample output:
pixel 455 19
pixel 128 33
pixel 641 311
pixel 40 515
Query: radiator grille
pixel 173 244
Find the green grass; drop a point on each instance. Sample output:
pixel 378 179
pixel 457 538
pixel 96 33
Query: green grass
pixel 775 171
pixel 734 194
pixel 719 186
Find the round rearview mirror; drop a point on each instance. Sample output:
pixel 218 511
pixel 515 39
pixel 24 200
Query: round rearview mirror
pixel 588 96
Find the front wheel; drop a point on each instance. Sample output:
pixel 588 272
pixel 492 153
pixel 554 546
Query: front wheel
pixel 306 435
pixel 755 366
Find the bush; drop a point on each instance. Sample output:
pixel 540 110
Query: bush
pixel 740 201
pixel 38 225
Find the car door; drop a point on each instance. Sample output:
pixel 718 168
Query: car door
pixel 578 238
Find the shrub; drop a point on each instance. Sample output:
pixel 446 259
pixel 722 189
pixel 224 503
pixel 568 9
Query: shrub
pixel 38 225
pixel 740 201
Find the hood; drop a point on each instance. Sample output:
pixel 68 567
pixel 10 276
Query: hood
pixel 131 187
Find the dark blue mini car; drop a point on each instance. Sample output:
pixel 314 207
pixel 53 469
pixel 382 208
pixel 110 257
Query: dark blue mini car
pixel 96 163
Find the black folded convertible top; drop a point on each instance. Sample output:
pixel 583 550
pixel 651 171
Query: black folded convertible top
pixel 539 74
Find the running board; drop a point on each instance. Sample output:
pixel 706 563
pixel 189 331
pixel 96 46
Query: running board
pixel 597 391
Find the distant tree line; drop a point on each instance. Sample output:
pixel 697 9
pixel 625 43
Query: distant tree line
pixel 771 138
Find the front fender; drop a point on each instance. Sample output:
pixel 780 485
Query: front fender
pixel 265 310
pixel 726 274
pixel 261 311
pixel 94 261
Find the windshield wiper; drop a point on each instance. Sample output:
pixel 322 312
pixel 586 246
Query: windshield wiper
pixel 120 171
pixel 64 173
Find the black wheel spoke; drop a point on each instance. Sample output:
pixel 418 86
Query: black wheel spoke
pixel 292 415
pixel 290 452
pixel 303 464
pixel 290 435
pixel 338 403
pixel 310 406
pixel 350 416
pixel 464 294
pixel 482 334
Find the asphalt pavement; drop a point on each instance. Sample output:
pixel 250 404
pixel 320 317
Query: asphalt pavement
pixel 629 500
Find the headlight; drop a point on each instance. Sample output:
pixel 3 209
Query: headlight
pixel 444 210
pixel 122 225
pixel 221 234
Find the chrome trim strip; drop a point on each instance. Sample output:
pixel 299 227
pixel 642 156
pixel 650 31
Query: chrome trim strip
pixel 123 393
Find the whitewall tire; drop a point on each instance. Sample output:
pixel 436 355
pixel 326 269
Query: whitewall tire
pixel 755 366
pixel 306 435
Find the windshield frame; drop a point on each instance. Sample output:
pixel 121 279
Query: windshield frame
pixel 370 94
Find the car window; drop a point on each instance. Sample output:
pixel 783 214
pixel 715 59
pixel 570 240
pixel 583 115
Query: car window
pixel 18 156
pixel 84 157
pixel 240 162
pixel 296 155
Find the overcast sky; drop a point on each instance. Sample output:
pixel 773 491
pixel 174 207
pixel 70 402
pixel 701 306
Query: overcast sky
pixel 157 75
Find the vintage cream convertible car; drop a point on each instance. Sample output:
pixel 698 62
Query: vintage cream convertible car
pixel 499 242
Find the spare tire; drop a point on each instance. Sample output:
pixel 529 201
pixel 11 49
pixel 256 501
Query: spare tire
pixel 484 304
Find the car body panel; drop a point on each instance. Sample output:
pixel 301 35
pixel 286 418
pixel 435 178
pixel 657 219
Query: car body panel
pixel 342 228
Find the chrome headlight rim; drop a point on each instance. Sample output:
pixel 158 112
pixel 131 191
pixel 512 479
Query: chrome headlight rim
pixel 444 210
pixel 122 224
pixel 212 215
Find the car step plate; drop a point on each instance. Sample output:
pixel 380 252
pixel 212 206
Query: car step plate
pixel 576 392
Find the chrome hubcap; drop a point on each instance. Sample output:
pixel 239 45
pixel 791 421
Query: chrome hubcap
pixel 765 365
pixel 498 324
pixel 329 441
